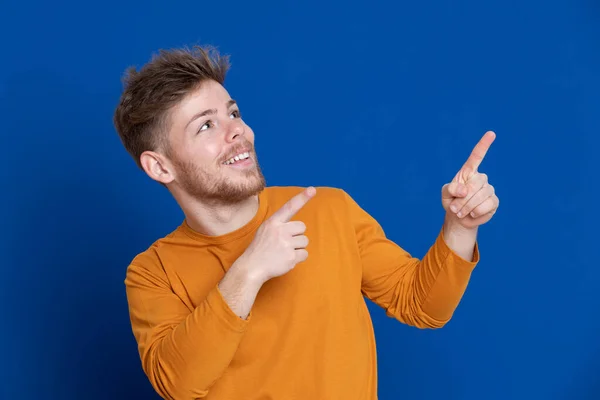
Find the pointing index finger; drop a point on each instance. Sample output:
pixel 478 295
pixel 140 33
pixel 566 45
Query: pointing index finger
pixel 479 151
pixel 295 204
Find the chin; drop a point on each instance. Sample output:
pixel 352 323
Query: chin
pixel 252 186
pixel 222 188
pixel 236 190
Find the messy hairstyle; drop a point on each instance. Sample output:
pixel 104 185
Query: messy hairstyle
pixel 142 117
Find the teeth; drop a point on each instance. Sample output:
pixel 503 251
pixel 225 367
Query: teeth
pixel 239 157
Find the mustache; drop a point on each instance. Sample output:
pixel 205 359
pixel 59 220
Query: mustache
pixel 245 147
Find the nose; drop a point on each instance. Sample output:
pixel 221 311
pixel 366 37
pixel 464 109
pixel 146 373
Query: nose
pixel 234 130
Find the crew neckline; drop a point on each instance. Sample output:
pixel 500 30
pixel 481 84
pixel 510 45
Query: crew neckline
pixel 236 234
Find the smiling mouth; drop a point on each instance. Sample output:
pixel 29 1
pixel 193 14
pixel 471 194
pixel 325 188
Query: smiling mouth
pixel 237 158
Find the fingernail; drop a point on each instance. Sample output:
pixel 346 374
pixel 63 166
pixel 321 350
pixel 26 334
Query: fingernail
pixel 453 208
pixel 459 215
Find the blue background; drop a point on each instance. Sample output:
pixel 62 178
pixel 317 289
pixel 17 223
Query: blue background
pixel 383 99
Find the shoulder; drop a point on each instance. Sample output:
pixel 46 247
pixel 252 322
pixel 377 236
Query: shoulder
pixel 148 263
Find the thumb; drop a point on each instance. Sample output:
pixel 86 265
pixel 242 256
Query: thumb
pixel 453 189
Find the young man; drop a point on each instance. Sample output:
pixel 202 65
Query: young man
pixel 259 293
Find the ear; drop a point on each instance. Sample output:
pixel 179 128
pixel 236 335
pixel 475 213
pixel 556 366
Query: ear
pixel 157 167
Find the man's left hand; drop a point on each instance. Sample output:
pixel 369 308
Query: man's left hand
pixel 470 200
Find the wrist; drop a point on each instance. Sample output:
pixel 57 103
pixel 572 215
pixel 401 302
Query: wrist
pixel 248 274
pixel 459 239
pixel 454 228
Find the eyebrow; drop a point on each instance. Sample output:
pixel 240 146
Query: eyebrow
pixel 210 111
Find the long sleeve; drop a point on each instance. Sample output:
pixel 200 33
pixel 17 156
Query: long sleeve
pixel 183 351
pixel 420 292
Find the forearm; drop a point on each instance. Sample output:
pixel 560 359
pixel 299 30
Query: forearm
pixel 239 288
pixel 186 360
pixel 209 338
pixel 443 274
pixel 183 352
pixel 430 289
pixel 460 240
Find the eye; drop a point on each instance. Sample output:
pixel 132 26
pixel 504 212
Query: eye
pixel 235 114
pixel 205 126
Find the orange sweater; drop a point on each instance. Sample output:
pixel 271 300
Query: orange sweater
pixel 309 334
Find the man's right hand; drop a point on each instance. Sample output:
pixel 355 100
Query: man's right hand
pixel 279 243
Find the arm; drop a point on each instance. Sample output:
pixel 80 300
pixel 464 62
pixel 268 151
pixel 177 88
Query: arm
pixel 422 293
pixel 425 293
pixel 185 351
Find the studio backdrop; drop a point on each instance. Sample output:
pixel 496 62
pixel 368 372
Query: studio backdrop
pixel 382 99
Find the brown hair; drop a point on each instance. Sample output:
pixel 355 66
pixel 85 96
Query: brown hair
pixel 142 116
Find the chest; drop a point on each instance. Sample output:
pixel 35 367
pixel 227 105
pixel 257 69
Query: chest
pixel 331 272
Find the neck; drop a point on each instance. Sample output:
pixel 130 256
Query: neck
pixel 219 219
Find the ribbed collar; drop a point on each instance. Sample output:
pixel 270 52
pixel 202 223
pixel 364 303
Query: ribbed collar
pixel 253 224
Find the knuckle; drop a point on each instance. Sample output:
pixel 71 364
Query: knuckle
pixel 283 238
pixel 291 256
pixel 479 197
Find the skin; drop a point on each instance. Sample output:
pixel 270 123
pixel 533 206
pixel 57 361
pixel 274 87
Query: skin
pixel 214 197
pixel 469 200
pixel 217 198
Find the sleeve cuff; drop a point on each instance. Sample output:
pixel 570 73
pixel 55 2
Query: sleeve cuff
pixel 219 306
pixel 456 259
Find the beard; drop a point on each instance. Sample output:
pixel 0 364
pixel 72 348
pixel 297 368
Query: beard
pixel 216 186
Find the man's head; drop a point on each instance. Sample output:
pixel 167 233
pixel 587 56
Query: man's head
pixel 182 128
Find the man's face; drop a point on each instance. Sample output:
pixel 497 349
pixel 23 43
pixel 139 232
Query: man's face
pixel 212 149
